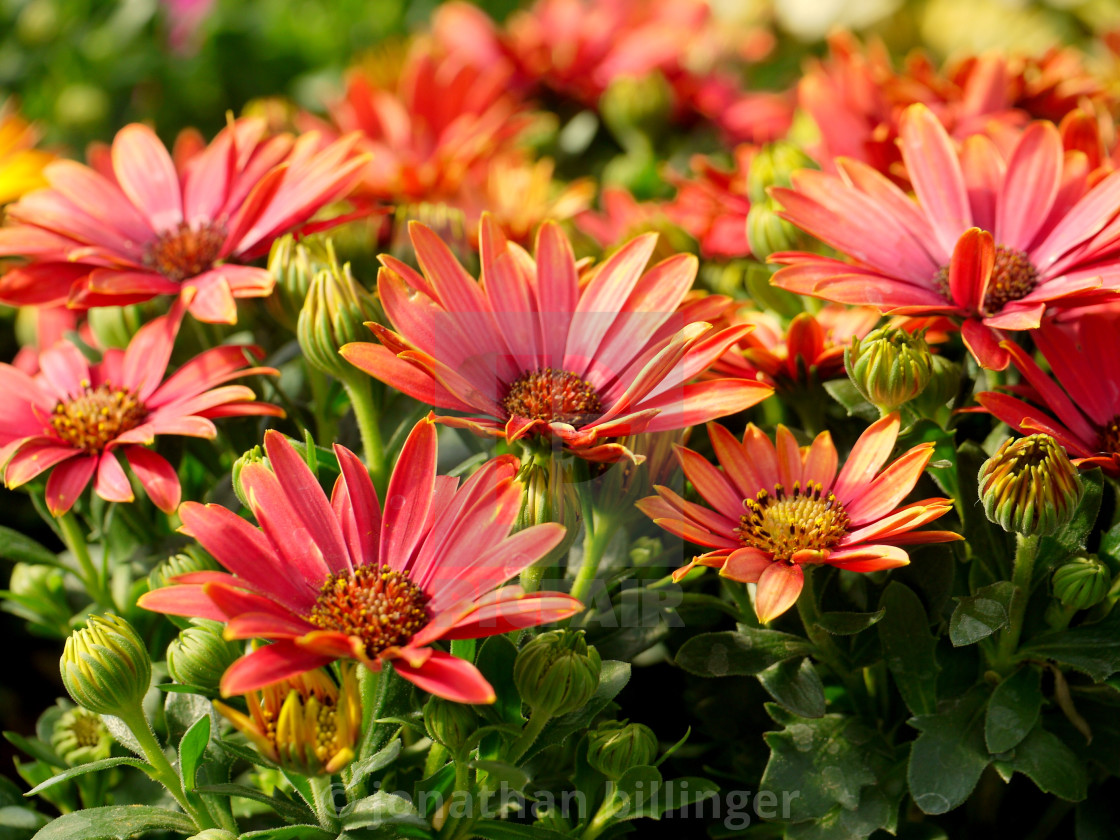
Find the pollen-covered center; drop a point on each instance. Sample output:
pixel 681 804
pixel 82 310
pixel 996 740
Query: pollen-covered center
pixel 1014 277
pixel 782 523
pixel 553 396
pixel 379 605
pixel 184 251
pixel 97 416
pixel 86 728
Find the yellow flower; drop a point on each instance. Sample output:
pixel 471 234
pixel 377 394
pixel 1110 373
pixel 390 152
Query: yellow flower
pixel 21 166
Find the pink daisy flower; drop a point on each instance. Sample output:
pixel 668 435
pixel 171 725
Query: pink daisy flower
pixel 534 350
pixel 161 225
pixel 343 579
pixel 73 417
pixel 713 206
pixel 1080 402
pixel 774 509
pixel 993 242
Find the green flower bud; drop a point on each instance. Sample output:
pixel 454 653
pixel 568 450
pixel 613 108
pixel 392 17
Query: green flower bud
pixel 550 496
pixel 105 666
pixel 889 367
pixel 448 723
pixel 644 549
pixel 292 265
pixel 1029 486
pixel 1081 583
pixel 767 232
pixel 557 672
pixel 334 314
pixel 200 655
pixel 942 388
pixel 253 456
pixel 636 108
pixel 44 586
pixel 79 737
pixel 616 746
pixel 773 166
pixel 180 564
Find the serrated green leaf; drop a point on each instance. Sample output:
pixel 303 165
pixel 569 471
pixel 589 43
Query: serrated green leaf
pixel 848 623
pixel 191 749
pixel 288 811
pixel 92 767
pixel 115 822
pixel 949 755
pixel 795 686
pixel 978 616
pixel 1013 709
pixel 909 648
pixel 732 653
pixel 1050 764
pixel 1093 649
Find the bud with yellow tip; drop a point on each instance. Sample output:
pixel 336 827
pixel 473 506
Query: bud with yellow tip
pixel 106 668
pixel 1030 486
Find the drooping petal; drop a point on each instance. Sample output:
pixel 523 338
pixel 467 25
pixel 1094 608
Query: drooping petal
pixel 448 677
pixel 156 475
pixel 779 585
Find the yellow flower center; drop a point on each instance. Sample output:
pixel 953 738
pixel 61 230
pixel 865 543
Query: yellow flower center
pixel 1014 277
pixel 782 523
pixel 553 396
pixel 185 251
pixel 86 728
pixel 97 416
pixel 380 606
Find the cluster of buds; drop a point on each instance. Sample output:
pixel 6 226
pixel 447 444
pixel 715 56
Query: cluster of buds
pixel 889 367
pixel 1030 486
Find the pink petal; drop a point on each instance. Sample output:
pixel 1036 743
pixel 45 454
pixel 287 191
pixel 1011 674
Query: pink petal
pixel 514 610
pixel 935 171
pixel 357 509
pixel 67 481
pixel 867 457
pixel 984 344
pixel 970 269
pixel 110 482
pixel 869 558
pixel 270 664
pixel 147 175
pixel 779 584
pixel 181 599
pixel 1030 187
pixel 746 565
pixel 448 677
pixel 157 477
pixel 409 497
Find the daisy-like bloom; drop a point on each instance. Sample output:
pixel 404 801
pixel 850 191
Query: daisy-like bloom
pixel 532 350
pixel 21 165
pixel 811 348
pixel 73 417
pixel 343 579
pixel 774 509
pixel 713 205
pixel 141 223
pixel 1080 401
pixel 992 242
pixel 308 723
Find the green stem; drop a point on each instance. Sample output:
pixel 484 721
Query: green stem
pixel 360 390
pixel 75 539
pixel 459 827
pixel 1022 576
pixel 595 542
pixel 322 795
pixel 828 652
pixel 325 424
pixel 165 774
pixel 380 693
pixel 528 736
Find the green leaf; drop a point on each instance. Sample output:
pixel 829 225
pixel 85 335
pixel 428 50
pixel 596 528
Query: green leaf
pixel 738 653
pixel 502 772
pixel 22 549
pixel 848 623
pixel 495 660
pixel 34 748
pixel 985 540
pixel 1054 549
pixel 845 393
pixel 796 687
pixel 612 679
pixel 191 750
pixel 379 809
pixel 1093 649
pixel 909 648
pixel 948 757
pixel 1050 764
pixel 877 809
pixel 687 790
pixel 826 759
pixel 439 783
pixel 246 753
pixel 288 811
pixel 17 821
pixel 92 767
pixel 636 794
pixel 115 822
pixel 1013 709
pixel 507 830
pixel 379 760
pixel 290 832
pixel 978 616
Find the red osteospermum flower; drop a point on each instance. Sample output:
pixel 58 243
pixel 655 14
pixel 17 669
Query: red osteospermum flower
pixel 162 225
pixel 775 509
pixel 713 206
pixel 343 579
pixel 73 417
pixel 532 350
pixel 811 346
pixel 1083 404
pixel 992 242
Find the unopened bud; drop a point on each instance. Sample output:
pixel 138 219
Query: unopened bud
pixel 252 456
pixel 767 232
pixel 292 264
pixel 334 314
pixel 1030 486
pixel 200 655
pixel 773 166
pixel 616 746
pixel 180 564
pixel 79 737
pixel 557 672
pixel 942 388
pixel 105 667
pixel 889 367
pixel 449 723
pixel 1081 583
pixel 636 107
